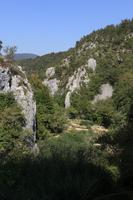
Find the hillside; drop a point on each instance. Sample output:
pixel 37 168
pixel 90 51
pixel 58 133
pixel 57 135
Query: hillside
pixel 80 114
pixel 24 56
pixel 41 63
pixel 94 70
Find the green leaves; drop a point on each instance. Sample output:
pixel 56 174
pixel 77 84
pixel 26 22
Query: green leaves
pixel 6 100
pixel 11 122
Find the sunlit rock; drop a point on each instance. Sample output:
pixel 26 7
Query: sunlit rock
pixel 52 84
pixel 74 83
pixel 14 80
pixel 106 91
pixel 92 64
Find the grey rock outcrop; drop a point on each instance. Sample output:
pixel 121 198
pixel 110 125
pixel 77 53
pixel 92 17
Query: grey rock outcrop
pixel 91 64
pixel 74 83
pixel 52 84
pixel 67 99
pixel 79 77
pixel 5 78
pixel 50 81
pixel 50 72
pixel 21 88
pixel 106 91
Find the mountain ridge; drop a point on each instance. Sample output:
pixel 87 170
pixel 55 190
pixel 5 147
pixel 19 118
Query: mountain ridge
pixel 24 56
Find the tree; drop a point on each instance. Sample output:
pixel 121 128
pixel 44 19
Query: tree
pixel 56 120
pixel 11 123
pixel 10 53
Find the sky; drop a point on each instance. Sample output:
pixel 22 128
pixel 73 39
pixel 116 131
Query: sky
pixel 44 26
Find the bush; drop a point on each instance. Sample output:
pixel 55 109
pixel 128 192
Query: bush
pixel 11 122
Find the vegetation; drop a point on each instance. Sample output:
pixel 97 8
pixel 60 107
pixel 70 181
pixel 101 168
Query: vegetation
pixel 40 64
pixel 84 165
pixel 10 52
pixel 51 118
pixel 11 123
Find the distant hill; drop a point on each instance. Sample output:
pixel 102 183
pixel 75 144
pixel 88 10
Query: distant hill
pixel 24 56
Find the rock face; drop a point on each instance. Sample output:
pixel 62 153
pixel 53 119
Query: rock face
pixel 106 92
pixel 50 81
pixel 92 64
pixel 15 81
pixel 52 84
pixel 67 99
pixel 75 81
pixel 5 79
pixel 50 72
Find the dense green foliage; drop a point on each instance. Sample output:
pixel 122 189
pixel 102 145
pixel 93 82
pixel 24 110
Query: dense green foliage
pixel 11 123
pixel 51 118
pixel 66 168
pixel 40 64
pixel 82 165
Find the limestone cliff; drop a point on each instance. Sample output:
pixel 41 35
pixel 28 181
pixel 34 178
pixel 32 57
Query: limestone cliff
pixel 79 77
pixel 13 79
pixel 50 81
pixel 106 91
pixel 74 82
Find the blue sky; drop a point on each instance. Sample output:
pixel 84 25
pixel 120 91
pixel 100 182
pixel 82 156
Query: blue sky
pixel 43 26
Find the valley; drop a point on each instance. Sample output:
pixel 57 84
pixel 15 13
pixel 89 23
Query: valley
pixel 66 121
